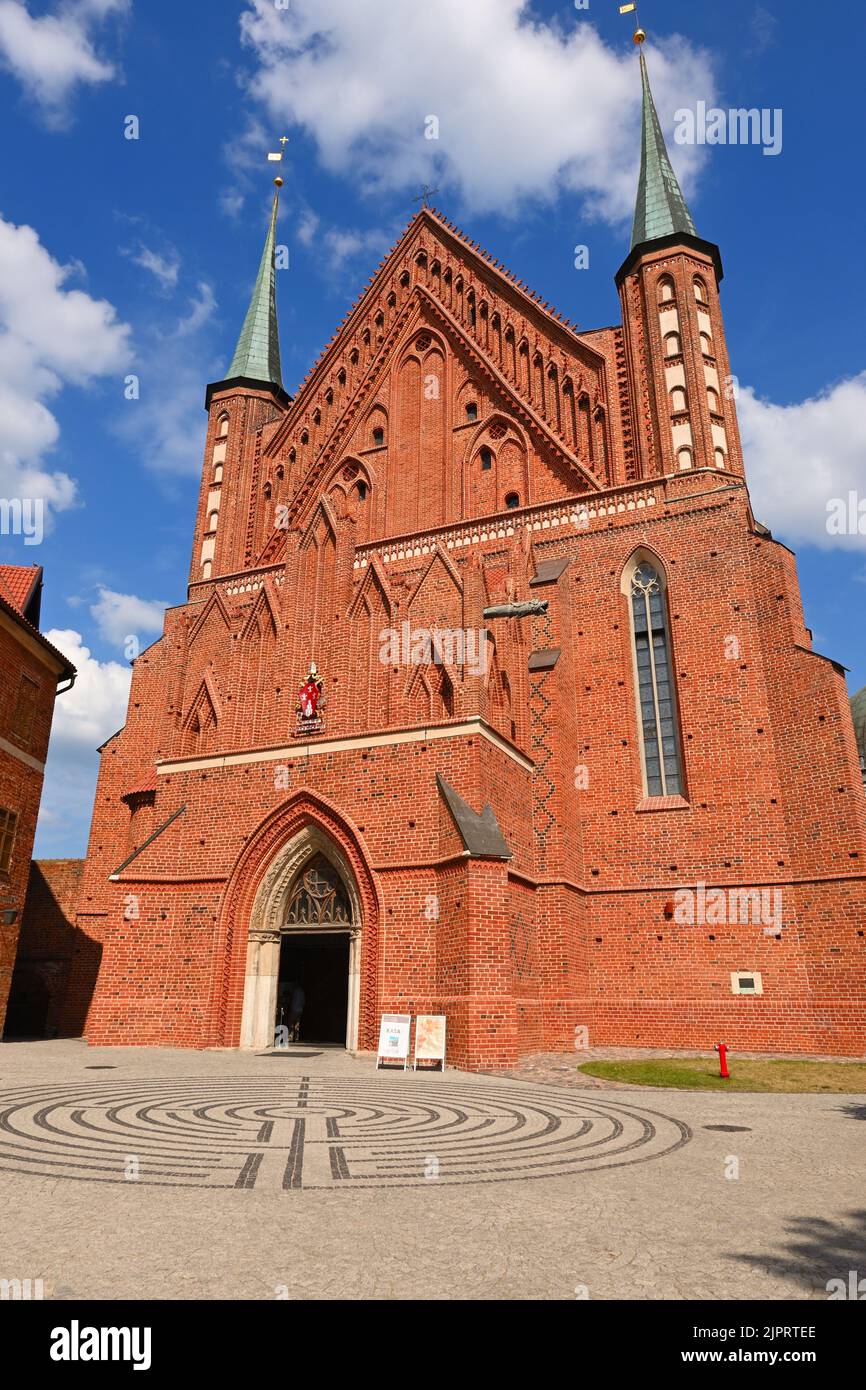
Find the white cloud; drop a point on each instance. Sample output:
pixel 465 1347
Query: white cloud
pixel 118 616
pixel 50 336
pixel 52 54
pixel 84 717
pixel 525 108
pixel 801 457
pixel 201 311
pixel 164 269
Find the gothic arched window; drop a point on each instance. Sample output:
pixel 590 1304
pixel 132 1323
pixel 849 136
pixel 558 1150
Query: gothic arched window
pixel 318 897
pixel 660 744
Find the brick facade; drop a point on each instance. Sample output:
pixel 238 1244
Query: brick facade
pixel 455 438
pixel 47 944
pixel 30 669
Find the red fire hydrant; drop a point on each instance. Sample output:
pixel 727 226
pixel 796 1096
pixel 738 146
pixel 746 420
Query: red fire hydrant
pixel 722 1049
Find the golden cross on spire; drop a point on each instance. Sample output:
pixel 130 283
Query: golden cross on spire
pixel 276 157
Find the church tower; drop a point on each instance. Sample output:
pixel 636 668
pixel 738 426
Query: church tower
pixel 250 396
pixel 682 390
pixel 566 692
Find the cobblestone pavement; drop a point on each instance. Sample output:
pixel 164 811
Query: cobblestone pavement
pixel 138 1173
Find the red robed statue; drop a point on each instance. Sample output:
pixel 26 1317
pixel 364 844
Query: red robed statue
pixel 310 694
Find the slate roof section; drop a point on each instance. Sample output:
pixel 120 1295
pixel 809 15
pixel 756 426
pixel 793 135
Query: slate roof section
pixel 480 834
pixel 549 571
pixel 544 659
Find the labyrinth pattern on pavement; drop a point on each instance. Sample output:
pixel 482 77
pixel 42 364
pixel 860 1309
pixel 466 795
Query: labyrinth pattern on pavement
pixel 276 1134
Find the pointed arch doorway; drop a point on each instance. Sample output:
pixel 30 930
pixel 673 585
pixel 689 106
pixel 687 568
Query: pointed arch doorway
pixel 305 931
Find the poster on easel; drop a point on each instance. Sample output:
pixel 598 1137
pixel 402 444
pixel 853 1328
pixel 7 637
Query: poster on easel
pixel 394 1039
pixel 430 1042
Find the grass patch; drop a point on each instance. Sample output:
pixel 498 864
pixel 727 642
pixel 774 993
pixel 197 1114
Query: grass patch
pixel 702 1074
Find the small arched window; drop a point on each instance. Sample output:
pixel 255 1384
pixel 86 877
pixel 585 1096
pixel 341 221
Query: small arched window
pixel 721 460
pixel 714 402
pixel 206 569
pixel 654 679
pixel 486 459
pixel 471 410
pixel 218 473
pixel 512 500
pixel 378 436
pixel 666 290
pixel 212 521
pixel 706 345
pixel 700 290
pixel 267 489
pixel 684 457
pixel 223 427
pixel 673 346
pixel 678 400
pixel 361 490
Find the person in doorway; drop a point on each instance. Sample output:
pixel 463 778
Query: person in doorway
pixel 297 1000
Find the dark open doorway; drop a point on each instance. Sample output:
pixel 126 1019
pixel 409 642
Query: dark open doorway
pixel 319 963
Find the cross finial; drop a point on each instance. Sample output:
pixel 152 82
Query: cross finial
pixel 425 195
pixel 278 157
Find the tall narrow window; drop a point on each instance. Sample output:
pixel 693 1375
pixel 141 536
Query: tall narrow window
pixel 8 826
pixel 655 688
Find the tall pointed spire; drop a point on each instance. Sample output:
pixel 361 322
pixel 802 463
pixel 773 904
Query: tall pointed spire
pixel 661 208
pixel 257 355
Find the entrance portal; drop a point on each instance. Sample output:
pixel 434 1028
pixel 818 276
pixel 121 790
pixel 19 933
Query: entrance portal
pixel 319 963
pixel 305 929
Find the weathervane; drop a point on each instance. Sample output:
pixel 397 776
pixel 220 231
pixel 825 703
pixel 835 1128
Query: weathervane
pixel 639 33
pixel 276 157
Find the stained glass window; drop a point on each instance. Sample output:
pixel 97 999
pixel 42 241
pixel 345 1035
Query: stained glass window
pixel 661 748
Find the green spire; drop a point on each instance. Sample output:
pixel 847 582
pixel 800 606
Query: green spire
pixel 661 208
pixel 257 354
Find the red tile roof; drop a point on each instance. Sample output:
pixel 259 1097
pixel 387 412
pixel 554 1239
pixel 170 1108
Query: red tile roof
pixel 17 583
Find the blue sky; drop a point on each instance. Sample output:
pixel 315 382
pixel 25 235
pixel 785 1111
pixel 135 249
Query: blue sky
pixel 142 252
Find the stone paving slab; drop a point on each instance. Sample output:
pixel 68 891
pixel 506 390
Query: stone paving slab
pixel 538 1191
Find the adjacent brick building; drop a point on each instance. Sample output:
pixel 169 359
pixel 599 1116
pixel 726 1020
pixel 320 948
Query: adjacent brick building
pixel 32 671
pixel 47 944
pixel 627 800
pixel 858 714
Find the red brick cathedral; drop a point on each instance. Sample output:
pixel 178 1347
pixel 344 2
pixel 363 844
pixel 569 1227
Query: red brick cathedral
pixel 490 696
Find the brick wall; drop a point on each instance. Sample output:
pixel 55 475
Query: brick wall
pixel 578 929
